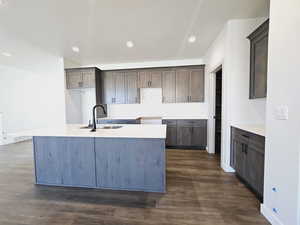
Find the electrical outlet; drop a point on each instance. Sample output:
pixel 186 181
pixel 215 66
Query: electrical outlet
pixel 281 113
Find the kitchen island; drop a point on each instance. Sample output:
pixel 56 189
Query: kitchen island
pixel 130 157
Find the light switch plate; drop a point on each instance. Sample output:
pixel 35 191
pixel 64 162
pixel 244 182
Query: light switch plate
pixel 281 113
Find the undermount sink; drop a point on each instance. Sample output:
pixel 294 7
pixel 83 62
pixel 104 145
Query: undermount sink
pixel 110 127
pixel 102 127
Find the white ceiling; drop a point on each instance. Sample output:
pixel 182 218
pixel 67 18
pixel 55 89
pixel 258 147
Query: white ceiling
pixel 100 28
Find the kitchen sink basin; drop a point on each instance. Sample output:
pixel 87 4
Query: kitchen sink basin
pixel 110 127
pixel 102 127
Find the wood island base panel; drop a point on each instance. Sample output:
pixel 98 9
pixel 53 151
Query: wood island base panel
pixel 134 164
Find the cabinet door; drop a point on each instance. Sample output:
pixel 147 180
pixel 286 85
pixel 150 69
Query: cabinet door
pixel 88 78
pixel 144 79
pixel 260 68
pixel 184 133
pixel 132 90
pixel 120 88
pixel 169 87
pixel 182 85
pixel 199 136
pixel 197 85
pixel 254 172
pixel 239 160
pixel 74 79
pixel 259 61
pixel 109 89
pixel 47 166
pixel 155 79
pixel 77 161
pixel 171 136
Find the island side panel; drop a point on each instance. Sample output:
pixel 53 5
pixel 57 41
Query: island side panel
pixel 131 164
pixel 65 161
pixel 47 165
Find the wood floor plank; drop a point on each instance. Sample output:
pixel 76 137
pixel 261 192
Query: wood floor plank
pixel 198 193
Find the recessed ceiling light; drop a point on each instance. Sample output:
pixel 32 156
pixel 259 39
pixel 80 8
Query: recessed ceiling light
pixel 129 44
pixel 3 2
pixel 192 39
pixel 7 54
pixel 75 49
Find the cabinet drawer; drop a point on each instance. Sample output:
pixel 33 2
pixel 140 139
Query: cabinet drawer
pixel 200 123
pixel 170 122
pixel 185 123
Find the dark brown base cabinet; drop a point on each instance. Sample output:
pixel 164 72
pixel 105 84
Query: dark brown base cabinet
pixel 186 134
pixel 247 158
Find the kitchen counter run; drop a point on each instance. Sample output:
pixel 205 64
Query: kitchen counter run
pixel 126 131
pixel 255 129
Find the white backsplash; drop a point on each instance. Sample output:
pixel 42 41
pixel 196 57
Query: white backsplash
pixel 151 105
pixel 151 96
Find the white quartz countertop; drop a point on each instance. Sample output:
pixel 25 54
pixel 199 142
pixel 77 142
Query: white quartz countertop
pixel 126 131
pixel 255 129
pixel 162 117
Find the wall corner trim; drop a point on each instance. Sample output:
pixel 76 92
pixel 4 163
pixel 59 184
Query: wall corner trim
pixel 269 215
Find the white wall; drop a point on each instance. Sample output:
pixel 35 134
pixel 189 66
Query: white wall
pixel 31 90
pixel 1 129
pixel 283 136
pixel 232 50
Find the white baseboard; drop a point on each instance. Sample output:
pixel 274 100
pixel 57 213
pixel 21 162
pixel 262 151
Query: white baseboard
pixel 227 169
pixel 269 215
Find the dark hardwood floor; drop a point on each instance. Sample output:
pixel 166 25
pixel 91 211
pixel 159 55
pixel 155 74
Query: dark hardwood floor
pixel 198 192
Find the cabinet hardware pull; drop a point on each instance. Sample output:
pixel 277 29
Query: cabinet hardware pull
pixel 245 136
pixel 246 149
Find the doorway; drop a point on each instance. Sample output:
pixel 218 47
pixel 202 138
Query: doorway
pixel 218 111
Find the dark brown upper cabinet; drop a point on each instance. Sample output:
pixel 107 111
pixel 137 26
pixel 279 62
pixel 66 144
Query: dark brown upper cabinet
pixel 259 61
pixel 120 87
pixel 80 78
pixel 190 84
pixel 169 86
pixel 151 78
pixel 91 77
pixel 197 85
pixel 182 85
pixel 179 84
pixel 132 89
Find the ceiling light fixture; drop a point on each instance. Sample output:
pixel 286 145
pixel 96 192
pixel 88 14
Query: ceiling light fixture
pixel 7 54
pixel 129 44
pixel 2 2
pixel 75 49
pixel 192 39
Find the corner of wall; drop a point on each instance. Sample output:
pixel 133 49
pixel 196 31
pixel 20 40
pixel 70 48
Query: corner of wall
pixel 269 215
